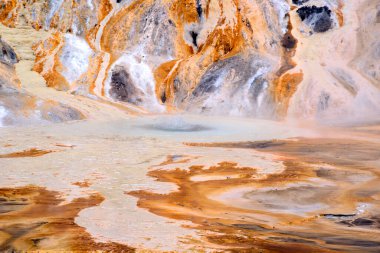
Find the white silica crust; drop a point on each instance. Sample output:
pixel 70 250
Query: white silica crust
pixel 142 77
pixel 282 7
pixel 75 57
pixel 3 113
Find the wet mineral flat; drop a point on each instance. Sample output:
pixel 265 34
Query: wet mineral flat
pixel 204 183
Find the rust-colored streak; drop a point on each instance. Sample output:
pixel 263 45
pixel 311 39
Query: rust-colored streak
pixel 225 40
pixel 34 219
pixel 7 12
pixel 182 13
pixel 92 74
pixel 105 7
pixel 115 34
pixel 161 75
pixel 191 203
pixel 339 13
pixel 53 77
pixel 283 211
pixel 33 152
pixel 284 89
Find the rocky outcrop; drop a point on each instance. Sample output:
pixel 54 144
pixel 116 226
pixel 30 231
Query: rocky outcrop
pixel 318 18
pixel 7 54
pixel 332 89
pixel 367 59
pixel 8 58
pixel 17 106
pixel 274 58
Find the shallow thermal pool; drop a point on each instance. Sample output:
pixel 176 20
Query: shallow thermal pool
pixel 129 161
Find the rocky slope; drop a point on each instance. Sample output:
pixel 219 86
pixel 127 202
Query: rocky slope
pixel 18 106
pixel 314 59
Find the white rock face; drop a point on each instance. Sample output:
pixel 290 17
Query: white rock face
pixel 135 85
pixel 282 7
pixel 54 6
pixel 333 90
pixel 75 57
pixel 236 87
pixel 311 59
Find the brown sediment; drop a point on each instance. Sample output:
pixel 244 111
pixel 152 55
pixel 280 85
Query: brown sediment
pixel 33 152
pixel 83 184
pixel 256 212
pixel 35 219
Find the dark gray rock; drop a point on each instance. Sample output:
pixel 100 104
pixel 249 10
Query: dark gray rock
pixel 123 87
pixel 7 54
pixel 317 18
